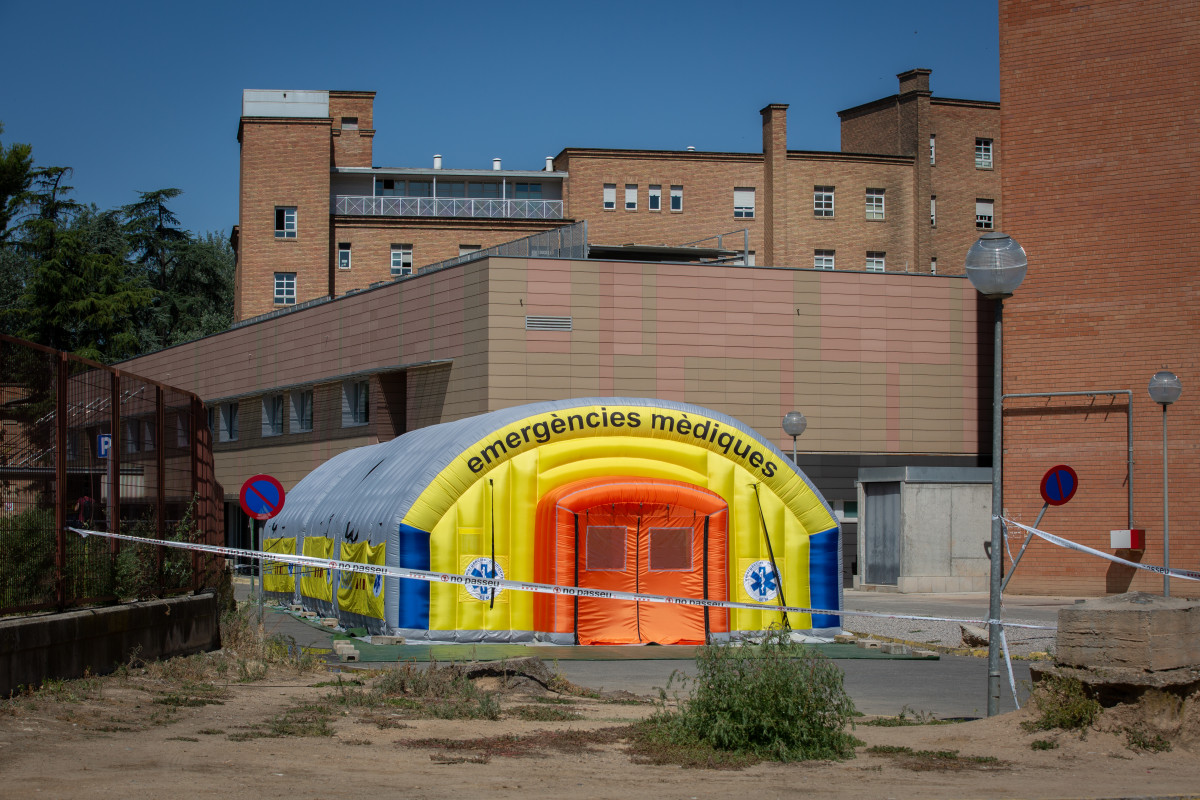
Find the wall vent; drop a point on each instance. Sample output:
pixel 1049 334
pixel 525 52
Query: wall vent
pixel 548 323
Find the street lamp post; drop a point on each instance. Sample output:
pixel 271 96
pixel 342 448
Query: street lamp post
pixel 996 266
pixel 794 424
pixel 1165 389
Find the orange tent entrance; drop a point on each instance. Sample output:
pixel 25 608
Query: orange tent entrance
pixel 632 535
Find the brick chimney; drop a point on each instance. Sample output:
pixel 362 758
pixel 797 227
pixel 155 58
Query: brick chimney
pixel 775 195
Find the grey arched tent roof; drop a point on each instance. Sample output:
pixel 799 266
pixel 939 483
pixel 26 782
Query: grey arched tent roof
pixel 370 489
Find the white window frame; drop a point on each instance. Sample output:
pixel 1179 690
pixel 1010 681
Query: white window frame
pixel 301 415
pixel 823 201
pixel 285 288
pixel 743 202
pixel 285 227
pixel 343 255
pixel 932 149
pixel 272 415
pixel 227 419
pixel 825 259
pixel 983 153
pixel 876 208
pixel 631 196
pixel 985 214
pixel 356 403
pixel 933 265
pixel 933 210
pixel 610 197
pixel 654 197
pixel 677 198
pixel 402 260
pixel 876 261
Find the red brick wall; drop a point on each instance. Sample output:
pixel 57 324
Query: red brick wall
pixel 956 181
pixel 283 163
pixel 1099 118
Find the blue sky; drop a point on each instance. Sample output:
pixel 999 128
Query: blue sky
pixel 142 96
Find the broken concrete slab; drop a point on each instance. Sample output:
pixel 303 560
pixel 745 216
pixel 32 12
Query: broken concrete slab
pixel 1136 630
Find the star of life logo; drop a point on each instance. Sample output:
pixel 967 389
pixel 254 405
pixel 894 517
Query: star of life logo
pixel 760 581
pixel 483 568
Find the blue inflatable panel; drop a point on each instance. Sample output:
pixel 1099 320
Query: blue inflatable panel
pixel 413 596
pixel 824 576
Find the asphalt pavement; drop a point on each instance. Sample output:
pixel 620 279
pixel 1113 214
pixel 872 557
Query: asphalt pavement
pixel 950 686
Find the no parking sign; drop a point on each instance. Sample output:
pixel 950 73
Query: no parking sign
pixel 262 497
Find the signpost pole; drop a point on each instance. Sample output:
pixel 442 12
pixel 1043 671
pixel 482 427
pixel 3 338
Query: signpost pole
pixel 261 572
pixel 261 498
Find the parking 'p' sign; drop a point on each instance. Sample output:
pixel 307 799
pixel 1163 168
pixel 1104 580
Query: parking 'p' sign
pixel 1059 485
pixel 262 497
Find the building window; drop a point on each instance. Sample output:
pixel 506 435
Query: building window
pixel 401 260
pixel 419 189
pixel 486 191
pixel 933 211
pixel 875 204
pixel 823 259
pixel 452 189
pixel 677 198
pixel 272 415
pixel 933 266
pixel 285 222
pixel 983 153
pixel 932 149
pixel 654 197
pixel 467 249
pixel 343 255
pixel 356 407
pixel 876 261
pixel 285 288
pixel 529 191
pixel 350 123
pixel 743 203
pixel 984 211
pixel 822 201
pixel 228 419
pixel 610 197
pixel 301 414
pixel 631 197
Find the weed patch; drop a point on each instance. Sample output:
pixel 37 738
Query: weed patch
pixel 1043 744
pixel 776 701
pixel 934 760
pixel 1141 740
pixel 1064 704
pixel 905 718
pixel 542 713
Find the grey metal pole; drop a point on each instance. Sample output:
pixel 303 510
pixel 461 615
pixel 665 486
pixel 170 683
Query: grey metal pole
pixel 1166 526
pixel 794 463
pixel 993 700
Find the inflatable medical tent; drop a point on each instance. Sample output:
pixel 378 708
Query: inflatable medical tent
pixel 630 494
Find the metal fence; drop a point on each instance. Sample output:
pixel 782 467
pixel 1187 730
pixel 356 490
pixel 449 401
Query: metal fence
pixel 569 241
pixel 83 445
pixel 470 208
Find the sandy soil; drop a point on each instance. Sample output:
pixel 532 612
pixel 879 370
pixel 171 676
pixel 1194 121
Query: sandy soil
pixel 116 737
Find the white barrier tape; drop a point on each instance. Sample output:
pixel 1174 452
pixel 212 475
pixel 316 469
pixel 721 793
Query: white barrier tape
pixel 521 586
pixel 1012 681
pixel 1186 574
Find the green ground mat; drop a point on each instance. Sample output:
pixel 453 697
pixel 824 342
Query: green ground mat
pixel 496 652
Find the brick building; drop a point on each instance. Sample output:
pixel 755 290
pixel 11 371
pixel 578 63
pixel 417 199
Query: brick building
pixel 916 178
pixel 883 365
pixel 1099 117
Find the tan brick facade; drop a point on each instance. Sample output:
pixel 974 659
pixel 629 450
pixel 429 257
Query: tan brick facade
pixel 1100 153
pixel 284 164
pixel 292 158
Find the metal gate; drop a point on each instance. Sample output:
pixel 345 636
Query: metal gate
pixel 880 529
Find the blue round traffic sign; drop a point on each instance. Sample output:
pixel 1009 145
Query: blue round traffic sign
pixel 1059 485
pixel 262 497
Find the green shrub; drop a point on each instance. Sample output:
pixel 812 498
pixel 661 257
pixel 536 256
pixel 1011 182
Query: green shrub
pixel 778 701
pixel 1064 704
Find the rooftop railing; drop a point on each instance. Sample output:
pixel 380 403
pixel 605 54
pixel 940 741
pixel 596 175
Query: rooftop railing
pixel 463 208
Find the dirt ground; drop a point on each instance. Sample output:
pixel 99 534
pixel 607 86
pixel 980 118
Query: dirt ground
pixel 158 733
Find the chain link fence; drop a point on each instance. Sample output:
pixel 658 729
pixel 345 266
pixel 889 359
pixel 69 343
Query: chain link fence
pixel 83 445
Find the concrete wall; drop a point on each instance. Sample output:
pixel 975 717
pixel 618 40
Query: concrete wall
pixel 97 640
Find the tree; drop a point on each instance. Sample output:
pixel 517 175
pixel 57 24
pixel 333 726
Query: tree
pixel 16 173
pixel 154 235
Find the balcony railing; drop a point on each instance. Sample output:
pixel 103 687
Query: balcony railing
pixel 473 208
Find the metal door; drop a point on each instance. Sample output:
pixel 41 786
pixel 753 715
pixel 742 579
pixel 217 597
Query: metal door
pixel 880 530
